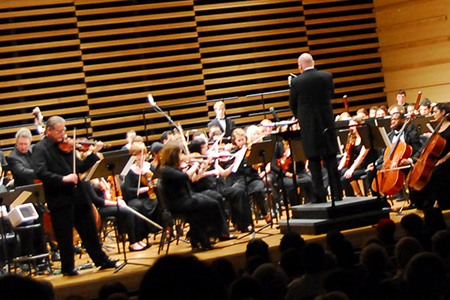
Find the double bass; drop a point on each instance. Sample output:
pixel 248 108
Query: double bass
pixel 391 178
pixel 421 173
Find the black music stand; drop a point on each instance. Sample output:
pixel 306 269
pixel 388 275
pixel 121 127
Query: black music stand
pixel 262 152
pixel 421 123
pixel 373 137
pixel 112 164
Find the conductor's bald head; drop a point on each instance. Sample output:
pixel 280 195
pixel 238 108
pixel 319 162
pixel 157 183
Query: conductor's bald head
pixel 305 61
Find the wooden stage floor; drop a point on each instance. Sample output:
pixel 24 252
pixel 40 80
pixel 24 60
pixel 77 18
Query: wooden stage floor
pixel 88 283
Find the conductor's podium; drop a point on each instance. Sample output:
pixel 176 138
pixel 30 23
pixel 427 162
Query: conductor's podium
pixel 319 218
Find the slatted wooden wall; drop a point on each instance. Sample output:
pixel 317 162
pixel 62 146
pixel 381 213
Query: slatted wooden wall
pixel 414 46
pixel 95 61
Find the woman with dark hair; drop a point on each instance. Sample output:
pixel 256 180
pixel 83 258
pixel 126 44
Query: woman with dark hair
pixel 437 187
pixel 203 213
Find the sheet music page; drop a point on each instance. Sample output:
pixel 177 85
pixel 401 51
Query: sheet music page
pixel 385 136
pixel 127 167
pixel 239 156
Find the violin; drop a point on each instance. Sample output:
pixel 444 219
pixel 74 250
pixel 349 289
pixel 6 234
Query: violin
pixel 147 180
pixel 82 144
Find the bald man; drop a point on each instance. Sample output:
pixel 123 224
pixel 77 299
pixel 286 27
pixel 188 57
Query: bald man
pixel 310 102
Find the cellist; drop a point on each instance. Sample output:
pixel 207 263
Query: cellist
pixel 410 136
pixel 437 187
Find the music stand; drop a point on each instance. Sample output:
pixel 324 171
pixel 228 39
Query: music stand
pixel 112 164
pixel 373 137
pixel 259 153
pixel 421 123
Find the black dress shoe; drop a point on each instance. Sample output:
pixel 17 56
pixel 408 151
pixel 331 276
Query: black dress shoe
pixel 109 264
pixel 70 273
pixel 227 237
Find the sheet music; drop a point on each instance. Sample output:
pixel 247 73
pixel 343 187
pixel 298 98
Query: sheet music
pixel 127 167
pixel 385 136
pixel 239 156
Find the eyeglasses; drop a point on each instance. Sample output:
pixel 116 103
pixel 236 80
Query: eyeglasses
pixel 59 131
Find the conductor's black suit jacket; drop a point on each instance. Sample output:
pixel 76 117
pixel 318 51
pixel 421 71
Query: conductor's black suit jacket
pixel 51 165
pixel 310 102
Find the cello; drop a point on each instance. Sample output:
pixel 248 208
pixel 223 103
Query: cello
pixel 390 177
pixel 421 173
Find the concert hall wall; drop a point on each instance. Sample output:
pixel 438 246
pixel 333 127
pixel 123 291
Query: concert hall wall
pixel 94 61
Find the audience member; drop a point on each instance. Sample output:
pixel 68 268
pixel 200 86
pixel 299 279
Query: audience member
pixel 273 281
pixel 175 277
pixel 14 287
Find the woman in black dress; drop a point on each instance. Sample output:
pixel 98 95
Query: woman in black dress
pixel 437 187
pixel 203 213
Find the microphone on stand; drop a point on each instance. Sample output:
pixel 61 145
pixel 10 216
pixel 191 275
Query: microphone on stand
pixel 151 100
pixel 274 113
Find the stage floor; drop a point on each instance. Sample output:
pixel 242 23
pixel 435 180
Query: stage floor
pixel 88 283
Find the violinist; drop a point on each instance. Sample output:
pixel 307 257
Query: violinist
pixel 136 193
pixel 246 177
pixel 437 187
pixel 204 214
pixel 212 183
pixel 109 204
pixel 66 198
pixel 355 160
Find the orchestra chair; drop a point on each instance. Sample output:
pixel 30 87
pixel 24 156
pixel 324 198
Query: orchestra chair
pixel 108 226
pixel 173 224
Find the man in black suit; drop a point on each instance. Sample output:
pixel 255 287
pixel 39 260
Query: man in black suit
pixel 226 125
pixel 310 102
pixel 67 197
pixel 20 161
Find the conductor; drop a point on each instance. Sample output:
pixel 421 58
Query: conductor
pixel 310 102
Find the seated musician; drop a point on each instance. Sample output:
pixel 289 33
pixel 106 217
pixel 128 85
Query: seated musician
pixel 19 160
pixel 355 160
pixel 410 136
pixel 109 204
pixel 203 213
pixel 437 187
pixel 212 183
pixel 135 193
pixel 246 177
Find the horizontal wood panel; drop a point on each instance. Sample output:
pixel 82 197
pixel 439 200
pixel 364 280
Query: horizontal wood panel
pixel 250 13
pixel 128 30
pixel 127 8
pixel 40 57
pixel 409 11
pixel 42 68
pixel 7 4
pixel 417 31
pixel 147 83
pixel 42 103
pixel 40 34
pixel 73 87
pixel 139 40
pixel 41 23
pixel 237 4
pixel 36 46
pixel 55 78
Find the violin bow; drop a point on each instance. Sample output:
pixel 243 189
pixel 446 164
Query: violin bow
pixel 74 161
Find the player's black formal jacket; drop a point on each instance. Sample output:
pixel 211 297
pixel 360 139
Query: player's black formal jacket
pixel 229 122
pixel 310 102
pixel 21 166
pixel 51 165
